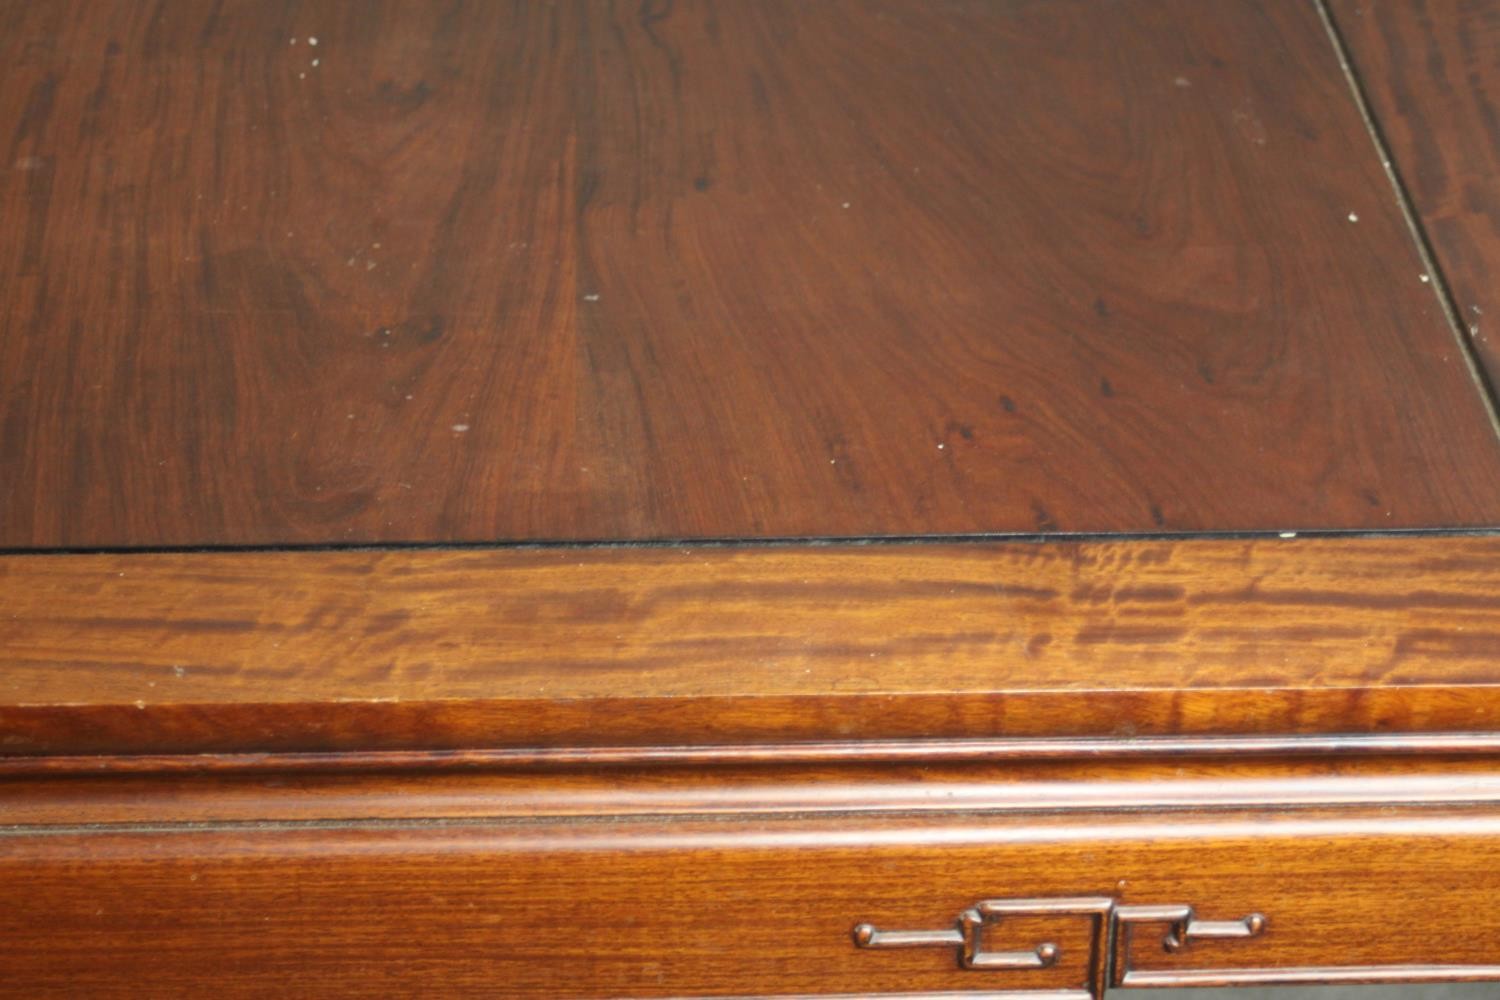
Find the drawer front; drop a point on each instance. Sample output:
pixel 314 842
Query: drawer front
pixel 1085 903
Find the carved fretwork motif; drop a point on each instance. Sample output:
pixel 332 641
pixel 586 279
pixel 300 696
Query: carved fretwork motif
pixel 1117 932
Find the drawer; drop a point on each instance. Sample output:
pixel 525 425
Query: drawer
pixel 900 899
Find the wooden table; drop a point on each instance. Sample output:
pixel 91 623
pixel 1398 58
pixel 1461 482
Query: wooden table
pixel 747 498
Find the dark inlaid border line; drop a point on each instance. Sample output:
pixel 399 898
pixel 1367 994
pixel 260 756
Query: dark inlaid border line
pixel 1430 261
pixel 775 541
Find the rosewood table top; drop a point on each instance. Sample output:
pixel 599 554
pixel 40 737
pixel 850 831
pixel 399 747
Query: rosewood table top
pixel 492 273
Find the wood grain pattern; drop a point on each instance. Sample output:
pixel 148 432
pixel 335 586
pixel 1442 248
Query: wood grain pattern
pixel 320 272
pixel 758 906
pixel 1431 69
pixel 519 271
pixel 597 647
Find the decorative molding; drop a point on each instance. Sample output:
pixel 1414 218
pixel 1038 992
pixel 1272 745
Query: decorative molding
pixel 850 751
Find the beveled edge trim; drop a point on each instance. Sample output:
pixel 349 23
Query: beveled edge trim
pixel 850 751
pixel 1371 975
pixel 1058 994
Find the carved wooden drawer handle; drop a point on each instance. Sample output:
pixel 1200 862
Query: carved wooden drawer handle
pixel 1113 927
pixel 1113 949
pixel 965 936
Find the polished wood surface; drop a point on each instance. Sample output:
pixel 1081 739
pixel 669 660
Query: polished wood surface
pixel 1431 70
pixel 596 647
pixel 282 283
pixel 759 905
pixel 583 271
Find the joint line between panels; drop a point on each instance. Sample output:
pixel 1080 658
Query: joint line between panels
pixel 1438 277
